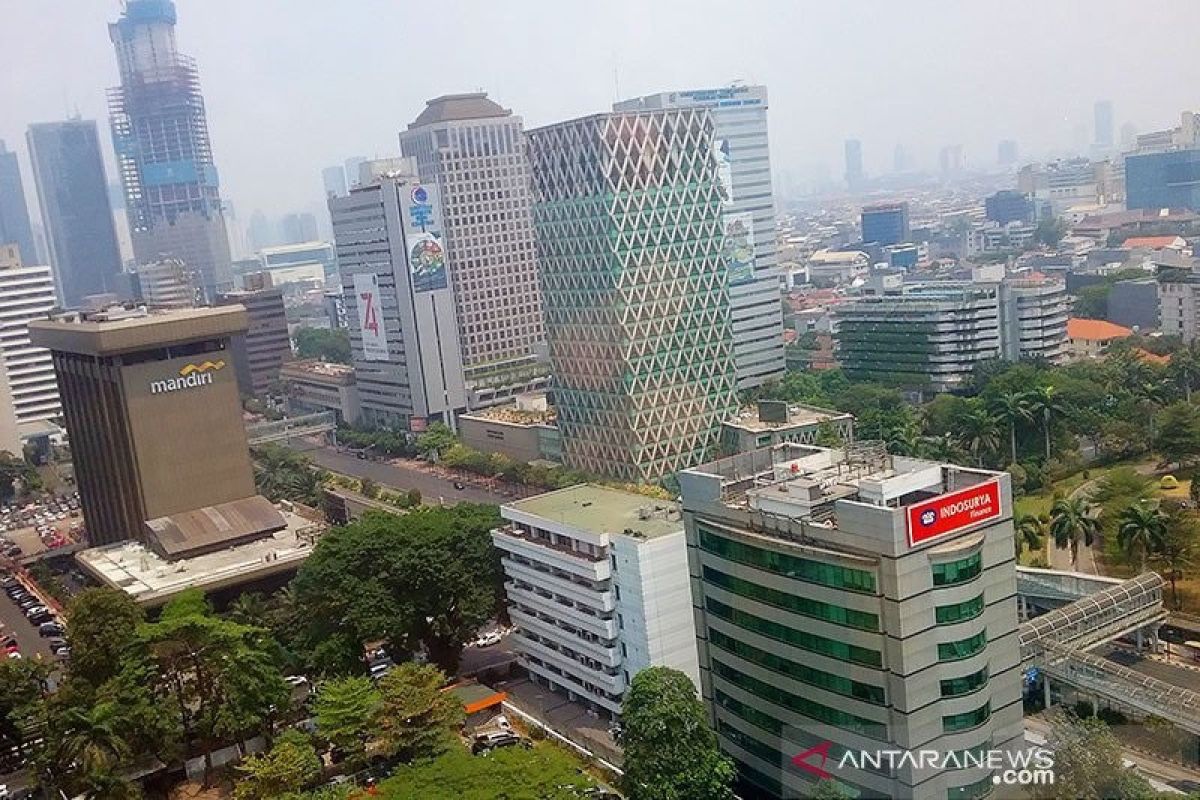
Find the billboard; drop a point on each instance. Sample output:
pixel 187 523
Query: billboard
pixel 738 247
pixel 423 235
pixel 724 169
pixel 370 317
pixel 949 513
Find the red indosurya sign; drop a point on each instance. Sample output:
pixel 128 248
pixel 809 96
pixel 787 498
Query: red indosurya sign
pixel 948 513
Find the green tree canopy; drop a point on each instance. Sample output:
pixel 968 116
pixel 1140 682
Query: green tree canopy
pixel 1141 529
pixel 102 625
pixel 1088 764
pixel 1178 439
pixel 416 718
pixel 426 579
pixel 670 750
pixel 1074 522
pixel 291 765
pixel 324 344
pixel 544 772
pixel 346 710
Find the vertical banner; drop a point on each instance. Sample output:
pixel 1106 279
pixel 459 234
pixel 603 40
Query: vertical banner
pixel 370 317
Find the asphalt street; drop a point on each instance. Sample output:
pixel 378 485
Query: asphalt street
pixel 433 489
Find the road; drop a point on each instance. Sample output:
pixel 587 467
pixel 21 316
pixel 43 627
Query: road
pixel 397 476
pixel 1148 766
pixel 1152 667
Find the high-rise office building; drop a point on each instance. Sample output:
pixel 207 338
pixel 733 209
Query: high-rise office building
pixel 1007 206
pixel 14 211
pixel 334 180
pixel 854 164
pixel 352 168
pixel 886 223
pixel 167 283
pixel 26 294
pixel 152 408
pixel 627 208
pixel 473 150
pixel 266 346
pixel 950 160
pixel 404 335
pixel 852 600
pixel 739 116
pixel 298 227
pixel 1007 152
pixel 1103 114
pixel 1165 179
pixel 73 193
pixel 164 154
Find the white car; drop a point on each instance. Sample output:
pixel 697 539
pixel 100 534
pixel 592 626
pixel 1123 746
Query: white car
pixel 488 639
pixel 296 681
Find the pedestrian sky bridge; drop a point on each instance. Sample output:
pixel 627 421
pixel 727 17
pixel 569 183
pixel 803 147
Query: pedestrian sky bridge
pixel 291 428
pixel 1057 642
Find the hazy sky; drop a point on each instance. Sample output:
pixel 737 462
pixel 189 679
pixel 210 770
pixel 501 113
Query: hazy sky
pixel 294 85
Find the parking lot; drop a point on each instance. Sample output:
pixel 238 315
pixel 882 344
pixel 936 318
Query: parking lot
pixel 34 528
pixel 30 643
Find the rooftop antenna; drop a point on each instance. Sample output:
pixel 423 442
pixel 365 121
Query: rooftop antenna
pixel 616 79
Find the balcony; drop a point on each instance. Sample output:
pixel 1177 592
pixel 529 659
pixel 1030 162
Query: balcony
pixel 569 683
pixel 604 628
pixel 607 655
pixel 593 568
pixel 614 684
pixel 598 599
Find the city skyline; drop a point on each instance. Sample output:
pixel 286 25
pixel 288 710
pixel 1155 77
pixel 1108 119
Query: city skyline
pixel 71 61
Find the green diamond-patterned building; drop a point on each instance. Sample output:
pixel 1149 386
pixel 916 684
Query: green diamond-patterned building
pixel 627 210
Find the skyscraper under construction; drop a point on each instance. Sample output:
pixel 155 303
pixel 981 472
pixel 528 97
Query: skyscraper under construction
pixel 164 155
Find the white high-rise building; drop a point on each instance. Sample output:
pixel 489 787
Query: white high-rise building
pixel 739 116
pixel 473 151
pixel 27 293
pixel 597 585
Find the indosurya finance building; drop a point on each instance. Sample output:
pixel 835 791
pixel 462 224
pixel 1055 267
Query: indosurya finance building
pixel 152 407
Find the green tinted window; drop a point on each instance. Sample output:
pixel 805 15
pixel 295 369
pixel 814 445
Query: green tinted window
pixel 966 684
pixel 793 602
pixel 953 651
pixel 971 791
pixel 798 704
pixel 961 571
pixel 958 612
pixel 803 569
pixel 967 719
pixel 806 641
pixel 802 673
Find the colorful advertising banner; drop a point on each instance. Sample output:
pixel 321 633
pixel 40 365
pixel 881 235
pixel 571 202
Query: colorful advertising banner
pixel 724 169
pixel 423 233
pixel 738 249
pixel 948 513
pixel 370 317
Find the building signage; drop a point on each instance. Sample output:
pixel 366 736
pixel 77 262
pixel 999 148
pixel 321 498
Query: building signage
pixel 370 317
pixel 190 376
pixel 738 247
pixel 426 248
pixel 952 512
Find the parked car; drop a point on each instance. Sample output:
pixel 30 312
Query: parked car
pixel 490 741
pixel 50 629
pixel 488 639
pixel 36 609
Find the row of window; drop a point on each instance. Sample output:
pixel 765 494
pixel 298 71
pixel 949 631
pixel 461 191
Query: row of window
pixel 842 651
pixel 800 705
pixel 803 569
pixel 950 573
pixel 963 648
pixel 956 687
pixel 967 719
pixel 816 609
pixel 959 612
pixel 838 684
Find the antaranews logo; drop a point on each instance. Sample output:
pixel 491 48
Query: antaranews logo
pixel 190 376
pixel 1033 766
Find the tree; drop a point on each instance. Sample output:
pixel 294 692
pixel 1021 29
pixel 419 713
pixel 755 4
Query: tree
pixel 670 750
pixel 1177 552
pixel 102 625
pixel 437 438
pixel 428 579
pixel 216 677
pixel 544 772
pixel 1088 763
pixel 345 710
pixel 22 686
pixel 291 765
pixel 1074 521
pixel 283 474
pixel 1141 527
pixel 85 748
pixel 16 476
pixel 828 789
pixel 1050 232
pixel 1030 532
pixel 250 608
pixel 1184 369
pixel 416 719
pixel 1178 439
pixel 324 344
pixel 979 432
pixel 1045 404
pixel 1014 409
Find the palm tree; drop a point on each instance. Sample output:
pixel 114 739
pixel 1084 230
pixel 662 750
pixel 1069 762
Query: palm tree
pixel 940 448
pixel 979 432
pixel 1013 408
pixel 1184 369
pixel 1175 554
pixel 1141 527
pixel 248 609
pixel 1031 531
pixel 1045 403
pixel 1073 521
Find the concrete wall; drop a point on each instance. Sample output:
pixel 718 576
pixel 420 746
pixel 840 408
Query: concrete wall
pixel 518 442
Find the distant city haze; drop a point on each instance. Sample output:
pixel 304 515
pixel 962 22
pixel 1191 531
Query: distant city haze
pixel 296 85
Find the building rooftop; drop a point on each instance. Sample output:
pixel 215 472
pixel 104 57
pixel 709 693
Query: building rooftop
pixel 1098 330
pixel 798 415
pixel 1154 242
pixel 601 510
pixel 117 330
pixel 311 368
pixel 151 580
pixel 451 107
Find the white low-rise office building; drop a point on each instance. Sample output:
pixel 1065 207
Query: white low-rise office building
pixel 597 586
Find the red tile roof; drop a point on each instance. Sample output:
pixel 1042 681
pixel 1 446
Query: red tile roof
pixel 1151 242
pixel 1099 330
